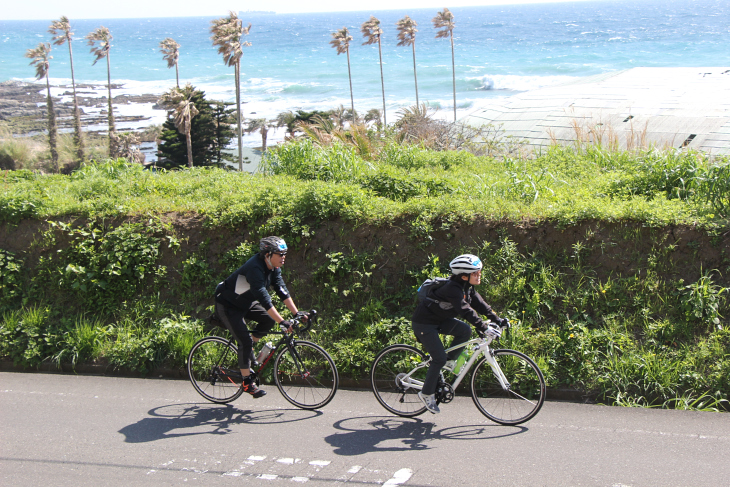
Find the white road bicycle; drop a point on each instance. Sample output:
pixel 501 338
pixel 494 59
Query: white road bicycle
pixel 507 386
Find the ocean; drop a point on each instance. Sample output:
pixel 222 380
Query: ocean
pixel 499 50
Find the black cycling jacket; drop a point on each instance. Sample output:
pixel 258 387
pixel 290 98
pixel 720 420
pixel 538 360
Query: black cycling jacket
pixel 455 298
pixel 250 283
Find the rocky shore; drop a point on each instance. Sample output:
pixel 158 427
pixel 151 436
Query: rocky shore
pixel 23 107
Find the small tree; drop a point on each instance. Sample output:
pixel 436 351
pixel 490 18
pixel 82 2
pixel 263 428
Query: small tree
pixel 100 42
pixel 172 151
pixel 171 51
pixel 261 125
pixel 41 60
pixel 223 119
pixel 127 145
pixel 341 41
pixel 407 37
pixel 183 110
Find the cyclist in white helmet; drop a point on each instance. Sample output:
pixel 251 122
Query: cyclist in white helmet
pixel 437 315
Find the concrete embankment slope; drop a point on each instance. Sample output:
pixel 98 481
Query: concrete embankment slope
pixel 665 107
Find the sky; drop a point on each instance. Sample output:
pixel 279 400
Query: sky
pixel 95 9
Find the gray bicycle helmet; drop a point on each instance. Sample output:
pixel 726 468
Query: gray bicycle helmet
pixel 270 245
pixel 465 264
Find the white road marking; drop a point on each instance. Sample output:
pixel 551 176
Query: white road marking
pixel 300 479
pixel 234 473
pixel 257 458
pixel 355 469
pixel 399 477
pixel 320 463
pixel 289 461
pixel 267 476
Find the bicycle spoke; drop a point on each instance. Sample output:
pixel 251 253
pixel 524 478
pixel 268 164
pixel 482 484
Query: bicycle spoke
pixel 394 389
pixel 213 370
pixel 523 397
pixel 306 375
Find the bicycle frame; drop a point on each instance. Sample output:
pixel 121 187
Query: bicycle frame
pixel 478 346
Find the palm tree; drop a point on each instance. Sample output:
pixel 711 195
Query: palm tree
pixel 261 125
pixel 341 41
pixel 41 60
pixel 407 37
pixel 371 30
pixel 226 35
pixel 445 20
pixel 100 40
pixel 61 32
pixel 183 111
pixel 171 51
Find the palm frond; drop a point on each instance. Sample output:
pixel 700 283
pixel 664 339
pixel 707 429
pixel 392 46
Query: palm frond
pixel 171 50
pixel 406 31
pixel 40 59
pixel 371 31
pixel 341 40
pixel 61 31
pixel 100 42
pixel 444 20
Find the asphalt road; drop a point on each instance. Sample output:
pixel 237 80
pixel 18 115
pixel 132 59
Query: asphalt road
pixel 62 430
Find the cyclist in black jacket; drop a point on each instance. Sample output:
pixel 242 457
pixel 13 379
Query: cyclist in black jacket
pixel 437 315
pixel 244 296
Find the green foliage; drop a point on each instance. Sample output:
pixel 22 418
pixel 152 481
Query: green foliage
pixel 235 258
pixel 701 300
pixel 27 336
pixel 11 291
pixel 106 265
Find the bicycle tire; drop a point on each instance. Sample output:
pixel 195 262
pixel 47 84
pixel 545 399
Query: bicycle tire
pixel 213 369
pixel 306 375
pixel 390 365
pixel 526 393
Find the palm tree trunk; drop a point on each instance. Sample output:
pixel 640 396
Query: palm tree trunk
pixel 264 136
pixel 51 126
pixel 189 142
pixel 415 76
pixel 110 116
pixel 349 75
pixel 453 72
pixel 177 76
pixel 382 82
pixel 78 136
pixel 238 111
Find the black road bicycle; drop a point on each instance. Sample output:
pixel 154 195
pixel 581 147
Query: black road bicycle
pixel 303 372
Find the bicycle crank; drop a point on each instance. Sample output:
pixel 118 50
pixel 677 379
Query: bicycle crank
pixel 444 393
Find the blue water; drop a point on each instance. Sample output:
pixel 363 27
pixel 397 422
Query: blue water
pixel 500 50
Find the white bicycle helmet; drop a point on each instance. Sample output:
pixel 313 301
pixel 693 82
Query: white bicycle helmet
pixel 270 245
pixel 465 264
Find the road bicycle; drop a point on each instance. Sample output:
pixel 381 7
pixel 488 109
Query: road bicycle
pixel 303 371
pixel 506 386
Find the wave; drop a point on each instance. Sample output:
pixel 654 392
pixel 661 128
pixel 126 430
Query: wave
pixel 516 83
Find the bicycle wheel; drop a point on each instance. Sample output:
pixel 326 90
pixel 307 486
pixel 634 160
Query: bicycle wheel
pixel 523 397
pixel 306 375
pixel 213 369
pixel 390 384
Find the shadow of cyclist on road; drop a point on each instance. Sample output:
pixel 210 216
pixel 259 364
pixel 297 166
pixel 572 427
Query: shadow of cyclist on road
pixel 400 434
pixel 177 420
